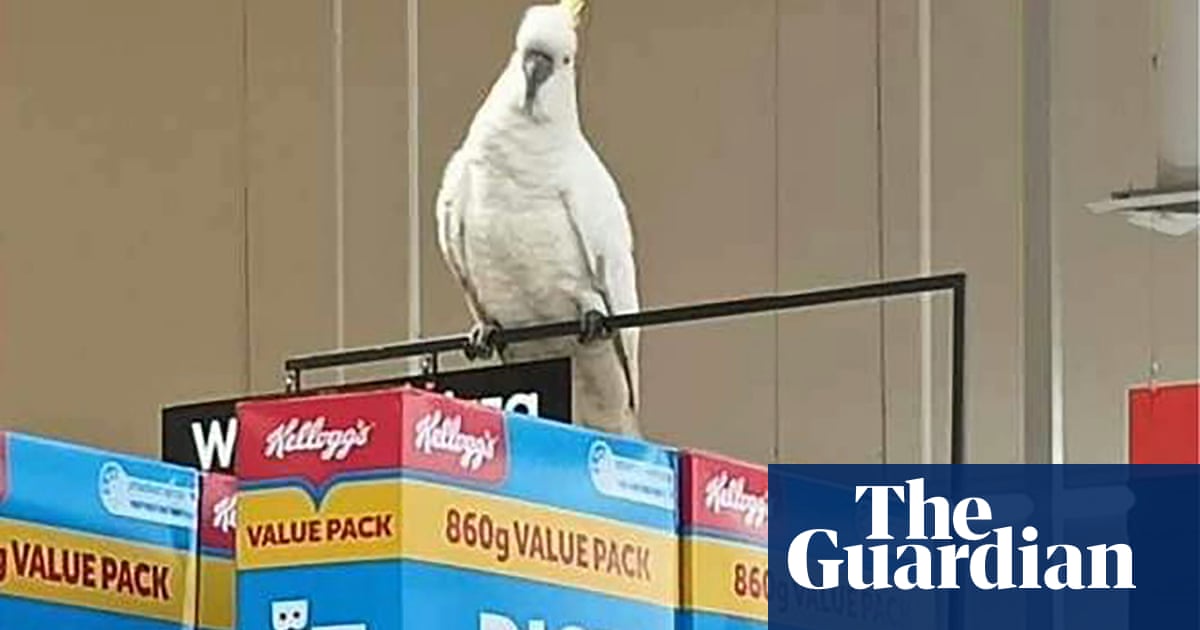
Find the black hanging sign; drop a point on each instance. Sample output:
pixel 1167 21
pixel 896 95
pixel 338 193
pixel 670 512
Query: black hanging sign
pixel 203 435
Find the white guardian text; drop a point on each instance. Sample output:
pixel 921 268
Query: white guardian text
pixel 977 553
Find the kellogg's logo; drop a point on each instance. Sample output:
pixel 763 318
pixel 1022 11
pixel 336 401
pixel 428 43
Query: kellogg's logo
pixel 218 506
pixel 455 439
pixel 225 514
pixel 315 439
pixel 306 436
pixel 443 433
pixel 725 492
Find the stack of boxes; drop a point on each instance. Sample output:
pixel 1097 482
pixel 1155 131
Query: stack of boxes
pixel 389 509
pixel 402 509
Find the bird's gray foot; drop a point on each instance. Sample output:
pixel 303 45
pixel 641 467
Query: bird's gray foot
pixel 481 343
pixel 592 327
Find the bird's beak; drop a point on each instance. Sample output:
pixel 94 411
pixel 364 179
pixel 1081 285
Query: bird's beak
pixel 538 66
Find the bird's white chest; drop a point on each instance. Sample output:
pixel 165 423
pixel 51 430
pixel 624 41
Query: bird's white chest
pixel 522 251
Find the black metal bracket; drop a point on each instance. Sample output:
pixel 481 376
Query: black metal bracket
pixel 1180 207
pixel 430 349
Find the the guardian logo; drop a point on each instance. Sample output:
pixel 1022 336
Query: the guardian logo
pixel 989 560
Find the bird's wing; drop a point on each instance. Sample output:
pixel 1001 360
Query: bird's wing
pixel 452 199
pixel 601 224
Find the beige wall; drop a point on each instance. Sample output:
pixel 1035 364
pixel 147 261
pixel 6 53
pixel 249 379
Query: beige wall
pixel 122 248
pixel 192 193
pixel 1128 297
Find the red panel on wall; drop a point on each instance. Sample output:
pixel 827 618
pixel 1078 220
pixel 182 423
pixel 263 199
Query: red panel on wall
pixel 1164 424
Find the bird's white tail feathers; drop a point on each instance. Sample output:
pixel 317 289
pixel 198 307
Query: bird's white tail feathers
pixel 599 388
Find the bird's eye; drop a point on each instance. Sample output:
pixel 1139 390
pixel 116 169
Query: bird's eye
pixel 566 61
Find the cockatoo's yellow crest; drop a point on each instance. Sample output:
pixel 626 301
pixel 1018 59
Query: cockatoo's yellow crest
pixel 575 8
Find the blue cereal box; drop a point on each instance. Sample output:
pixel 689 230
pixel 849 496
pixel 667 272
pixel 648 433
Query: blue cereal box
pixel 724 543
pixel 406 510
pixel 94 540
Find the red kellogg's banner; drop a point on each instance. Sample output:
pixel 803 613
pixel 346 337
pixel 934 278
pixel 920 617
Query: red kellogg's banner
pixel 320 437
pixel 724 496
pixel 317 438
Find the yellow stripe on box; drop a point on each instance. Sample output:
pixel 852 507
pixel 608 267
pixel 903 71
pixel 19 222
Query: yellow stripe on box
pixel 280 527
pixel 65 567
pixel 725 577
pixel 216 593
pixel 495 534
pixel 461 528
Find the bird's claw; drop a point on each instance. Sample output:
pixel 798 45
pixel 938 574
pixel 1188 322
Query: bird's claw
pixel 481 341
pixel 592 327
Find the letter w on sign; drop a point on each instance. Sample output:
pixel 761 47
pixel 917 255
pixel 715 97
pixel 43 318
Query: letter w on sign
pixel 215 443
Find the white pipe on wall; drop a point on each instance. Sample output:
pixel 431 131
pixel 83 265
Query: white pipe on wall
pixel 414 171
pixel 925 204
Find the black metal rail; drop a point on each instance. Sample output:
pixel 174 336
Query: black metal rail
pixel 1180 207
pixel 956 283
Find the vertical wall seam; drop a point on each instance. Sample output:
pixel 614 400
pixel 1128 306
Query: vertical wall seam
pixel 880 243
pixel 1037 264
pixel 1057 427
pixel 925 203
pixel 414 169
pixel 777 18
pixel 777 24
pixel 1024 243
pixel 244 184
pixel 339 173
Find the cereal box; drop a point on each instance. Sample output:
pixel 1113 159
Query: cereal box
pixel 216 584
pixel 403 509
pixel 724 543
pixel 90 539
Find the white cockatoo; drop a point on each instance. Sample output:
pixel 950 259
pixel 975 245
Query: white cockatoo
pixel 533 227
